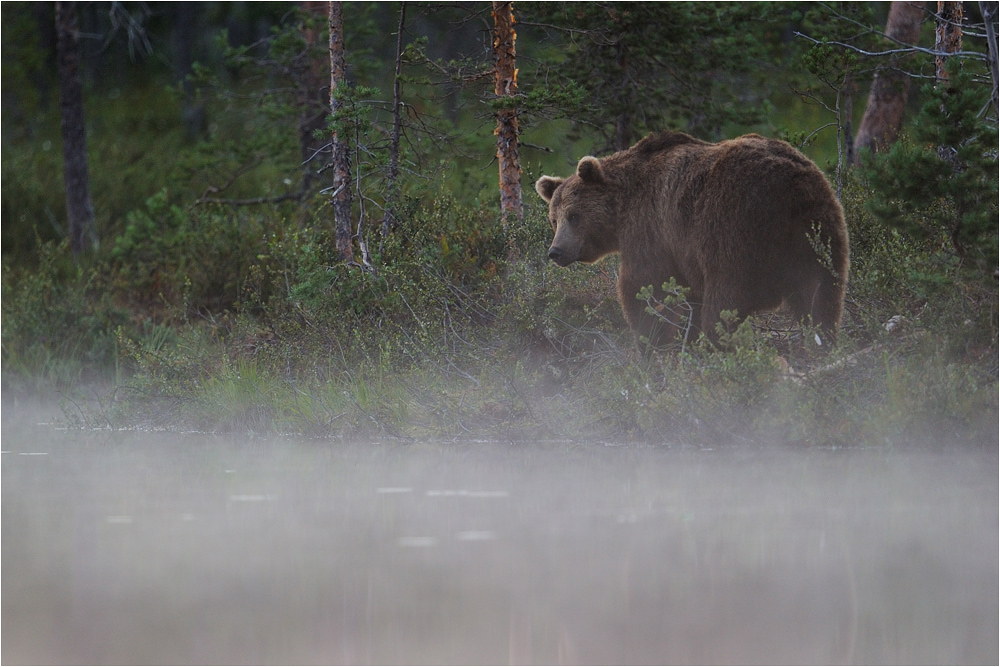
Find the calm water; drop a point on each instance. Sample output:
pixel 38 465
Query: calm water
pixel 165 548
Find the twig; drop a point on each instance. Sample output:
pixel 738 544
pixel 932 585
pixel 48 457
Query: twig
pixel 317 152
pixel 296 196
pixel 908 49
pixel 545 149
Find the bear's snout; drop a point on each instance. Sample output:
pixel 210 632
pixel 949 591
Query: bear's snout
pixel 559 256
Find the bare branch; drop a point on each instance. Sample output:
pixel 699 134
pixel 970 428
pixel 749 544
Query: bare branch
pixel 892 52
pixel 317 152
pixel 544 149
pixel 295 196
pixel 814 132
pixel 212 189
pixel 807 95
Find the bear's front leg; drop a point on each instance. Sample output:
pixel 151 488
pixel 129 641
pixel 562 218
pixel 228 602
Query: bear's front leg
pixel 664 325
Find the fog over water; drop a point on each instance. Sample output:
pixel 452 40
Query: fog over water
pixel 186 548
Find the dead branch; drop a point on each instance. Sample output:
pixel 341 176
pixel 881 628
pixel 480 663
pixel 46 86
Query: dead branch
pixel 295 196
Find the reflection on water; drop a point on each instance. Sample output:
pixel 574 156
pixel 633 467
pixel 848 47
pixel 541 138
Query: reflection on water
pixel 138 548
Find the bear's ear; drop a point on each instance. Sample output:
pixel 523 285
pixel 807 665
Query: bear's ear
pixel 546 186
pixel 590 170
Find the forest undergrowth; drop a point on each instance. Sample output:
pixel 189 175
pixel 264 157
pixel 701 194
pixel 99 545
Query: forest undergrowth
pixel 463 331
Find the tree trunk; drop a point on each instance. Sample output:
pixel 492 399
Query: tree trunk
pixel 185 31
pixel 948 35
pixel 891 87
pixel 507 122
pixel 989 11
pixel 79 206
pixel 623 121
pixel 947 40
pixel 309 97
pixel 389 219
pixel 341 153
pixel 847 120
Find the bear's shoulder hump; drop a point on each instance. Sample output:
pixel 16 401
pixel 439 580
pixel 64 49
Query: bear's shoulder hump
pixel 664 141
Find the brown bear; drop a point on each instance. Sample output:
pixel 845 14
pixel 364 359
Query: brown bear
pixel 747 224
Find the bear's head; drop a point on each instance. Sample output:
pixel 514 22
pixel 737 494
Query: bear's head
pixel 582 213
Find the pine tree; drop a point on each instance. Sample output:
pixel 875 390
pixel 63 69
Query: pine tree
pixel 507 130
pixel 943 182
pixel 660 65
pixel 340 149
pixel 79 206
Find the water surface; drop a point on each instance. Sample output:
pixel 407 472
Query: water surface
pixel 167 548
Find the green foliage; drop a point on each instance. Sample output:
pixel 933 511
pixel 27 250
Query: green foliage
pixel 33 202
pixel 252 149
pixel 651 66
pixel 942 184
pixel 132 134
pixel 174 260
pixel 58 323
pixel 830 64
pixel 883 263
pixel 919 279
pixel 833 25
pixel 24 66
pixel 671 306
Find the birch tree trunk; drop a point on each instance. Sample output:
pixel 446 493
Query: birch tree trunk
pixel 341 154
pixel 890 89
pixel 507 122
pixel 79 206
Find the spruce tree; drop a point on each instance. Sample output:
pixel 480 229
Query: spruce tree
pixel 942 182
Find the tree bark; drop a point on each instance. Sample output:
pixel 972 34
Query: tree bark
pixel 79 206
pixel 507 122
pixel 389 219
pixel 310 94
pixel 890 89
pixel 340 148
pixel 947 40
pixel 623 121
pixel 847 120
pixel 989 12
pixel 948 35
pixel 185 30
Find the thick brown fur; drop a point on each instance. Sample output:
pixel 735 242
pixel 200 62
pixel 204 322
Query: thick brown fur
pixel 735 222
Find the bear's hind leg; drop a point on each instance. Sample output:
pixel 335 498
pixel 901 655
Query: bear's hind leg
pixel 727 298
pixel 820 302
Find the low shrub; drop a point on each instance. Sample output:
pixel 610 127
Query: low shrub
pixel 460 328
pixel 58 323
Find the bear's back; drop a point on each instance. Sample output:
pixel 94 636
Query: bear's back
pixel 663 142
pixel 661 146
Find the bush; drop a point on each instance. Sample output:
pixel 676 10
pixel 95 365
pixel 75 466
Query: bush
pixel 169 258
pixel 59 322
pixel 941 187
